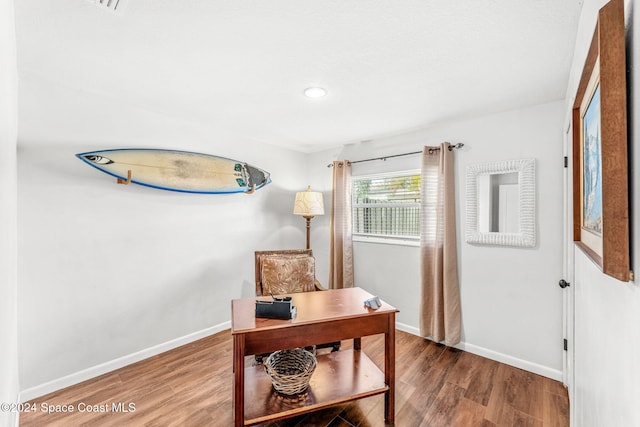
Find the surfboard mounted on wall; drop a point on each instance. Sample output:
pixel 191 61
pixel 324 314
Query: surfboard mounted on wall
pixel 175 170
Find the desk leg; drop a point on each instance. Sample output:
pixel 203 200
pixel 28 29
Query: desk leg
pixel 390 369
pixel 238 380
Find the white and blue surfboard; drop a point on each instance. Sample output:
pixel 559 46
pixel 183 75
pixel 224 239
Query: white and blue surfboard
pixel 175 170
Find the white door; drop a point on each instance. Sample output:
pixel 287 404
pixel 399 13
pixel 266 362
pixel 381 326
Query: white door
pixel 568 292
pixel 509 211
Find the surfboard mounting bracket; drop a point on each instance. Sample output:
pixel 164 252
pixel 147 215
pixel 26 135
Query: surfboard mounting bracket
pixel 127 181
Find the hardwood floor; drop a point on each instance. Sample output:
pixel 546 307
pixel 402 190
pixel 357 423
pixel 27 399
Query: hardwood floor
pixel 191 386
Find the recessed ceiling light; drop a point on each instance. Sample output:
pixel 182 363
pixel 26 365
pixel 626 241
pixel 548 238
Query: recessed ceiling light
pixel 315 92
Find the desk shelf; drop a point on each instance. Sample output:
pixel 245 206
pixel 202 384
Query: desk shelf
pixel 339 377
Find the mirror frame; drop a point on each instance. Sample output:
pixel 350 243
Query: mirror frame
pixel 526 237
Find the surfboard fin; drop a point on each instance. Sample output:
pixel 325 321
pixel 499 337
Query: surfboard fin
pixel 127 181
pixel 253 190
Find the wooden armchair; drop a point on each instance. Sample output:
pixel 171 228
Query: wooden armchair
pixel 287 272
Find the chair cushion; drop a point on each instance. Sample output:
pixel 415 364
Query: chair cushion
pixel 287 274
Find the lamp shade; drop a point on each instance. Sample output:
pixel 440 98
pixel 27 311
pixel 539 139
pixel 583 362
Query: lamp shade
pixel 308 203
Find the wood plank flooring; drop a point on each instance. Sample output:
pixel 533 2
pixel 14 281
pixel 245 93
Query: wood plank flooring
pixel 436 386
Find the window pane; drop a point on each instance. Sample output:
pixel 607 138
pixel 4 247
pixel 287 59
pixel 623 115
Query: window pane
pixel 398 189
pixel 387 206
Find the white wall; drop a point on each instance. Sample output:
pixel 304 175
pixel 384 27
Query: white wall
pixel 109 270
pixel 607 311
pixel 8 213
pixel 511 304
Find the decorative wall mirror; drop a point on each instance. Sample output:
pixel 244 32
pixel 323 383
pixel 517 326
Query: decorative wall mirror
pixel 501 203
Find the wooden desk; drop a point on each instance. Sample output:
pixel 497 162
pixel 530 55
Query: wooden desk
pixel 323 316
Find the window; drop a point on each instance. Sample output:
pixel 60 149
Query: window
pixel 386 207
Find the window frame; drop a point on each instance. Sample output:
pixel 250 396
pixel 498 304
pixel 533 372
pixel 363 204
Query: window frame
pixel 385 238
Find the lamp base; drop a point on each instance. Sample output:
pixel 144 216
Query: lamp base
pixel 308 219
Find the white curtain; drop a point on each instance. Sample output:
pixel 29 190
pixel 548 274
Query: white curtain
pixel 440 317
pixel 341 245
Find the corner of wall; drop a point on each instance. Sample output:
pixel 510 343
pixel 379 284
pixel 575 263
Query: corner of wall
pixel 9 381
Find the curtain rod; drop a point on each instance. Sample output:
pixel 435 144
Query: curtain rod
pixel 431 150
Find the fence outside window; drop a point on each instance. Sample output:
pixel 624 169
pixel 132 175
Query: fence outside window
pixel 387 206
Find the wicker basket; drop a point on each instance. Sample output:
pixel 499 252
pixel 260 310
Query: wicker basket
pixel 290 370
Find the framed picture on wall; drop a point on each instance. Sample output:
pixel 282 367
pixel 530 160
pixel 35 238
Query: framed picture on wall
pixel 600 169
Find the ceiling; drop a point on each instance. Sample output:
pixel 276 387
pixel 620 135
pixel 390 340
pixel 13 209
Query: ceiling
pixel 390 66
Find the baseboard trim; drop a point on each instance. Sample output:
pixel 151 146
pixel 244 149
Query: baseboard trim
pixel 408 329
pixel 536 368
pixel 103 368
